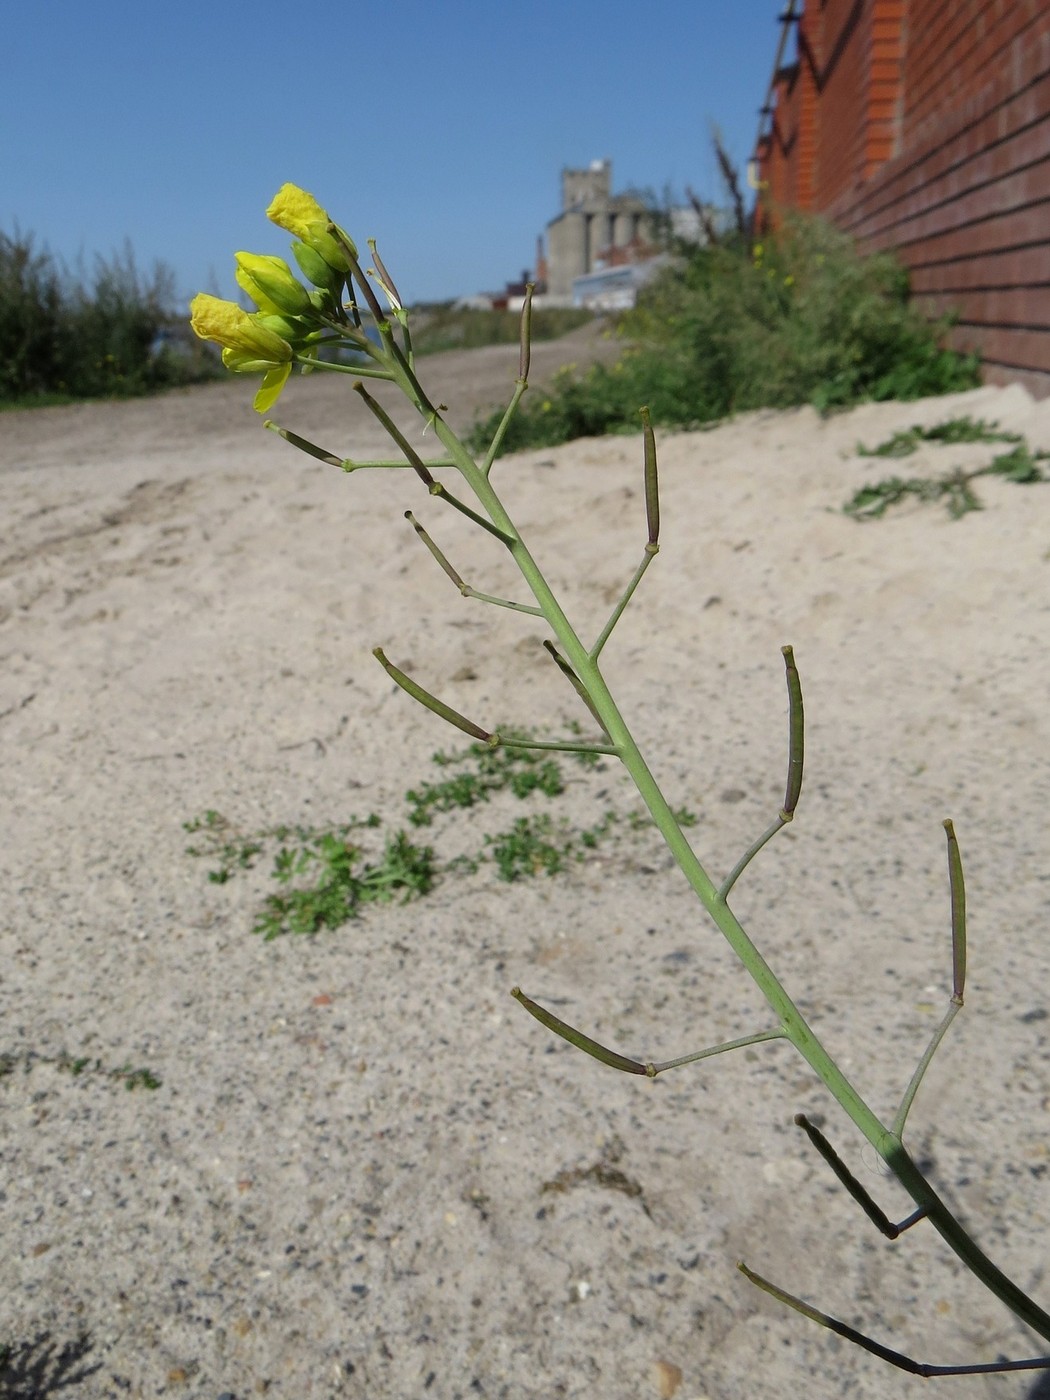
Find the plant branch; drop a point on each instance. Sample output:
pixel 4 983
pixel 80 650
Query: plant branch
pixel 465 588
pixel 868 1205
pixel 895 1358
pixel 583 663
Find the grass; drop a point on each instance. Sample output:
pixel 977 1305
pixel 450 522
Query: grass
pixel 328 875
pixel 954 489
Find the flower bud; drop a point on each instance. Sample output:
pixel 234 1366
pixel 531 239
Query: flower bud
pixel 287 327
pixel 297 211
pixel 271 285
pixel 314 267
pixel 232 328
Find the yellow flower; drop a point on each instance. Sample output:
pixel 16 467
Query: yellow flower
pixel 247 346
pixel 270 284
pixel 232 328
pixel 297 211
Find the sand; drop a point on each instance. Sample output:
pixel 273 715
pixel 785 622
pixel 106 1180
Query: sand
pixel 365 1172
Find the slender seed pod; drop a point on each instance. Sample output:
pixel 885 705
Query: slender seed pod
pixel 796 736
pixel 577 685
pixel 652 490
pixel 383 277
pixel 958 889
pixel 436 552
pixel 304 445
pixel 577 1038
pixel 431 702
pixel 411 455
pixel 526 335
pixel 871 1209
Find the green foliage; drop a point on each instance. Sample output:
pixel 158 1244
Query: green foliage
pixel 446 327
pixel 77 1065
pixel 907 440
pixel 327 875
pixel 954 489
pixel 110 335
pixel 520 770
pixel 232 852
pixel 798 318
pixel 530 847
pixel 340 883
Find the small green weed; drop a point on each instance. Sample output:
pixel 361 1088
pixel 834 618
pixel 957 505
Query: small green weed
pixel 955 488
pixel 533 846
pixel 77 1065
pixel 222 843
pixel 521 771
pixel 905 442
pixel 341 884
pixel 328 874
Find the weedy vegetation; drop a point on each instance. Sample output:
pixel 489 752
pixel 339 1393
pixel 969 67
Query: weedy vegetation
pixel 112 332
pixel 330 874
pixel 798 316
pixel 954 488
pixel 77 1066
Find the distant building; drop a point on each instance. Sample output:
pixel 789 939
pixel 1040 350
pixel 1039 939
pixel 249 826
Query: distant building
pixel 594 226
pixel 601 248
pixel 622 270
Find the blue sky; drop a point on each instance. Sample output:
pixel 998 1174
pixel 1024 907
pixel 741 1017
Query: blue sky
pixel 439 127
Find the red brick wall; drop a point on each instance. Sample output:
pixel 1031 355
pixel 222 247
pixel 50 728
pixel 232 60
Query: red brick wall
pixel 930 135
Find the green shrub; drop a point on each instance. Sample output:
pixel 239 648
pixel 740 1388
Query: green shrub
pixel 800 317
pixel 64 338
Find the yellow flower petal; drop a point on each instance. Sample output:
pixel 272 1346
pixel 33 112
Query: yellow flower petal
pixel 296 210
pixel 274 381
pixel 231 327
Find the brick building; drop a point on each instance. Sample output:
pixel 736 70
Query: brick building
pixel 923 126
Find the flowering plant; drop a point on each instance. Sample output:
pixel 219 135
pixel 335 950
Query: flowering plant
pixel 291 328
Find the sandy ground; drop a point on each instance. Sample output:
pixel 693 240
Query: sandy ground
pixel 365 1171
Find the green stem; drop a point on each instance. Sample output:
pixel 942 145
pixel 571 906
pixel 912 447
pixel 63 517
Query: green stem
pixel 923 1065
pixel 795 1028
pixel 628 593
pixel 497 439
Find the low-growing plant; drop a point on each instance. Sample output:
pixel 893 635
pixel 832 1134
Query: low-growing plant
pixel 76 1065
pixel 329 258
pixel 328 876
pixel 906 441
pixel 953 488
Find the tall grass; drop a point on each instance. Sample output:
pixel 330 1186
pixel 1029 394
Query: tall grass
pixel 800 317
pixel 107 334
